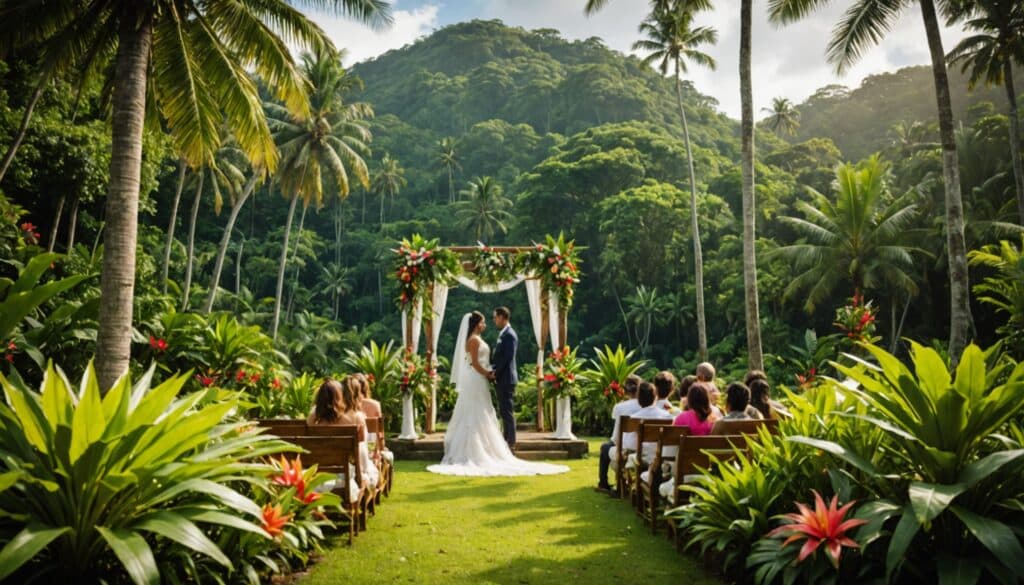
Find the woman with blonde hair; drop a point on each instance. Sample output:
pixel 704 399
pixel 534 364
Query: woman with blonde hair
pixel 337 403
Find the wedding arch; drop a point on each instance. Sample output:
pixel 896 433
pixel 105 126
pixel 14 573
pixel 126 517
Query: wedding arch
pixel 426 272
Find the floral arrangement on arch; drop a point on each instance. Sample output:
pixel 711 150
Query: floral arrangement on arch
pixel 562 374
pixel 491 267
pixel 417 374
pixel 556 264
pixel 856 320
pixel 419 263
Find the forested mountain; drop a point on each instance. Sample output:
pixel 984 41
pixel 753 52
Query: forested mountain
pixel 859 119
pixel 576 138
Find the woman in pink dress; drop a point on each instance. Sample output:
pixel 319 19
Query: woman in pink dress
pixel 698 414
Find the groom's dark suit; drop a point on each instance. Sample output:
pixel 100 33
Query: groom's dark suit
pixel 506 376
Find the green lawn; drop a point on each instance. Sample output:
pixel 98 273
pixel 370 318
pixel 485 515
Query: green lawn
pixel 555 529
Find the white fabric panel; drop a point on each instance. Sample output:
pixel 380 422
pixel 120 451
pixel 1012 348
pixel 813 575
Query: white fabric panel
pixel 489 288
pixel 408 418
pixel 533 296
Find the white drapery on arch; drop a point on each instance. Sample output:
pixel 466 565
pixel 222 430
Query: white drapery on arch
pixel 563 428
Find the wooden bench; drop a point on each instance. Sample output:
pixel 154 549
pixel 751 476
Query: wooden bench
pixel 648 432
pixel 335 449
pixel 627 424
pixel 376 427
pixel 649 495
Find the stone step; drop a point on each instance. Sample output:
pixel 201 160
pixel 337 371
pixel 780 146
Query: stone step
pixel 541 455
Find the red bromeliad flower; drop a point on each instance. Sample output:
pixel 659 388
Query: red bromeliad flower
pixel 824 525
pixel 275 384
pixel 157 344
pixel 274 520
pixel 291 473
pixel 206 381
pixel 240 376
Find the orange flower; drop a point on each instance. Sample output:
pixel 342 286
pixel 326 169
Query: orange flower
pixel 824 525
pixel 291 473
pixel 274 520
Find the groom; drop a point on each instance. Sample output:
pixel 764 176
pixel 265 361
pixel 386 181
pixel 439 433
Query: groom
pixel 505 372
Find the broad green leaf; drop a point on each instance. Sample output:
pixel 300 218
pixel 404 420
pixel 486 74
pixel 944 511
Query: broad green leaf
pixel 980 470
pixel 25 545
pixel 930 500
pixel 88 423
pixel 57 399
pixel 134 553
pixel 957 570
pixel 9 478
pixel 996 537
pixel 157 401
pixel 877 513
pixel 902 537
pixel 25 404
pixel 223 493
pixel 970 374
pixel 839 451
pixel 184 532
pixel 217 517
pixel 931 370
pixel 33 271
pixel 17 305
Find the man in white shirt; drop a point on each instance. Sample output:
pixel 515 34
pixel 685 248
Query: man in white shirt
pixel 646 396
pixel 609 450
pixel 665 386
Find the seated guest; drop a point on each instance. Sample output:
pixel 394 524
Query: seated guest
pixel 665 386
pixel 698 415
pixel 371 409
pixel 684 389
pixel 766 406
pixel 338 404
pixel 760 397
pixel 609 452
pixel 645 395
pixel 737 397
pixel 706 373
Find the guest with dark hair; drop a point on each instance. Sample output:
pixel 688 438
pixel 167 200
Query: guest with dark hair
pixel 754 375
pixel 337 403
pixel 609 450
pixel 698 415
pixel 737 397
pixel 665 387
pixel 647 397
pixel 760 397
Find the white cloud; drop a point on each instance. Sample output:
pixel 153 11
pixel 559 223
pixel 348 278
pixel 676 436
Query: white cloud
pixel 363 43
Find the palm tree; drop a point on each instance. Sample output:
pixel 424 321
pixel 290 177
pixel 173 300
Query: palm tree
pixel 336 280
pixel 449 161
pixel 863 24
pixel 333 136
pixel 672 42
pixel 388 182
pixel 990 55
pixel 755 359
pixel 483 209
pixel 909 138
pixel 26 117
pixel 783 117
pixel 172 223
pixel 192 58
pixel 647 309
pixel 858 238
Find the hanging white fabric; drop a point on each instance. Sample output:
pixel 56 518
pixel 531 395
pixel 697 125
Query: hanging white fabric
pixel 439 305
pixel 408 418
pixel 489 288
pixel 533 296
pixel 417 322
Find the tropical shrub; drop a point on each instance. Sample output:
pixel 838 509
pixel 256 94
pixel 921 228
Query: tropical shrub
pixel 20 297
pixel 603 385
pixel 1004 289
pixel 131 484
pixel 561 372
pixel 951 483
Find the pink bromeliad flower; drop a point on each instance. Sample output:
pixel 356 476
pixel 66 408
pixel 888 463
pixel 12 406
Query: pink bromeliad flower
pixel 823 526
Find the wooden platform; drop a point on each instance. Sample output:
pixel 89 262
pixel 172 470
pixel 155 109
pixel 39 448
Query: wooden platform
pixel 531 445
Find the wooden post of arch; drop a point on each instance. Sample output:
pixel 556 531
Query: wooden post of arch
pixel 543 349
pixel 428 334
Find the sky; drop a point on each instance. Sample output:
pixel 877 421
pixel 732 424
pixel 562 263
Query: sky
pixel 787 61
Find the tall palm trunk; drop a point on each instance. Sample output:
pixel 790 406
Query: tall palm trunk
pixel 26 117
pixel 56 223
pixel 1018 163
pixel 295 256
pixel 698 256
pixel 238 267
pixel 451 185
pixel 72 224
pixel 281 267
pixel 165 269
pixel 117 280
pixel 192 241
pixel 959 286
pixel 225 239
pixel 755 360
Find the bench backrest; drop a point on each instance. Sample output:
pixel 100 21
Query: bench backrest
pixel 284 427
pixel 750 427
pixel 668 436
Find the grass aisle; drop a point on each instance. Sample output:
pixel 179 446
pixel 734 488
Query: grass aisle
pixel 528 530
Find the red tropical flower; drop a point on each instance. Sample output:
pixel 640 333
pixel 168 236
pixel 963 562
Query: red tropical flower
pixel 825 525
pixel 254 377
pixel 9 357
pixel 275 384
pixel 157 344
pixel 274 520
pixel 28 227
pixel 240 376
pixel 291 473
pixel 206 380
pixel 11 346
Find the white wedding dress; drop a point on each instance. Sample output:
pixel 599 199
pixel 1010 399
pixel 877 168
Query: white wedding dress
pixel 473 444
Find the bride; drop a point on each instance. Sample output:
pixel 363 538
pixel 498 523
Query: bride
pixel 473 444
